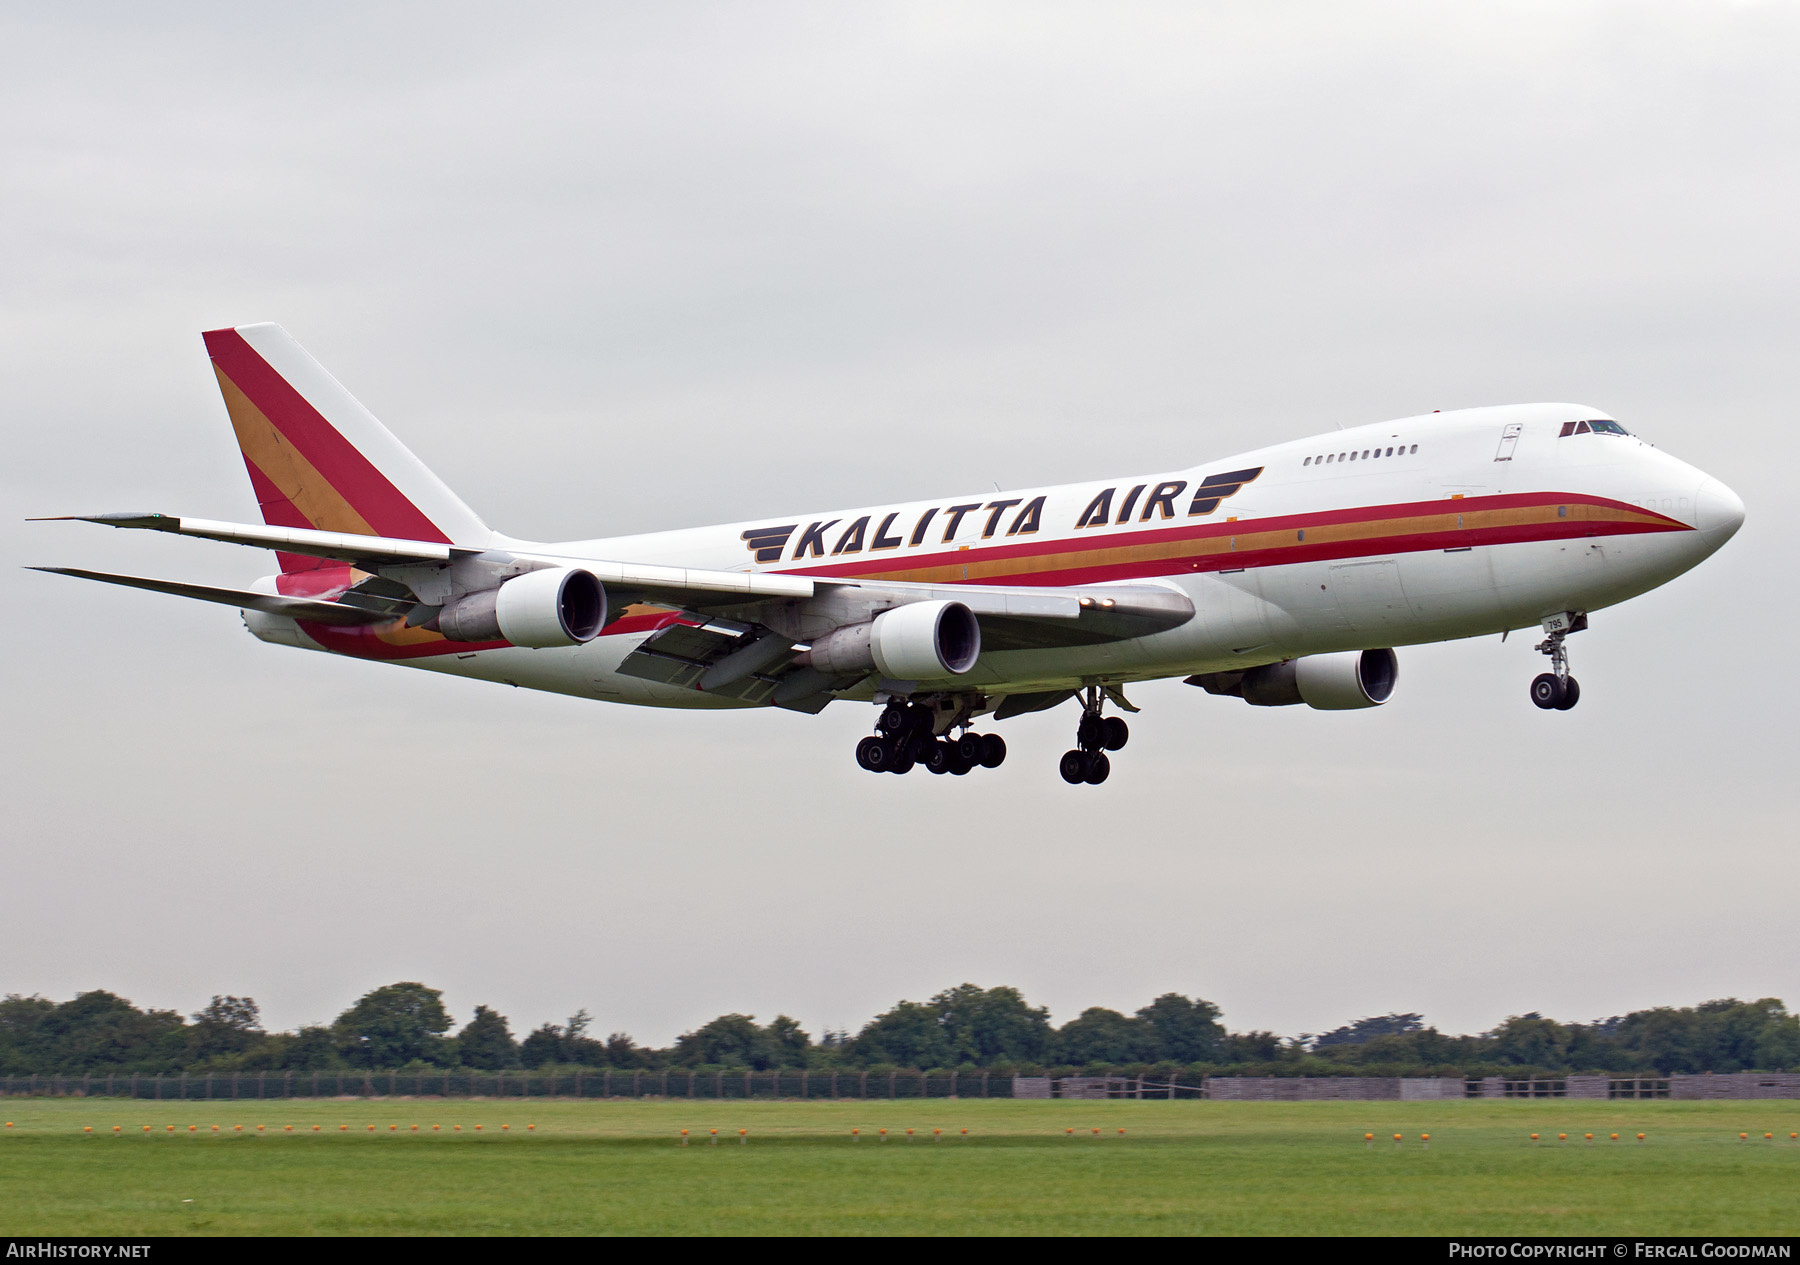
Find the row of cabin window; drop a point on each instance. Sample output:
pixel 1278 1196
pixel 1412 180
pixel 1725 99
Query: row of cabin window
pixel 1403 450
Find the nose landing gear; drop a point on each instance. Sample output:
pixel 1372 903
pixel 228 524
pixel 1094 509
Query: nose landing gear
pixel 1094 737
pixel 1556 690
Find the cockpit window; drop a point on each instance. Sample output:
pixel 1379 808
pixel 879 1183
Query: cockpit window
pixel 1596 425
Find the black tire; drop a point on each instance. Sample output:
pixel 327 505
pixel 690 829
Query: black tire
pixel 958 765
pixel 893 718
pixel 936 758
pixel 872 754
pixel 1074 767
pixel 993 751
pixel 969 748
pixel 1090 734
pixel 1571 694
pixel 1099 768
pixel 1547 690
pixel 1116 733
pixel 900 758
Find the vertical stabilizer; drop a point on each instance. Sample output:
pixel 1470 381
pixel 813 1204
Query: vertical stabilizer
pixel 319 459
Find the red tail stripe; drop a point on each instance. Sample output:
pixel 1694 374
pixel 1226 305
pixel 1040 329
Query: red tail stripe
pixel 278 511
pixel 383 506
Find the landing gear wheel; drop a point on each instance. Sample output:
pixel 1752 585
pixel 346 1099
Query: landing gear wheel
pixel 1099 768
pixel 872 754
pixel 1115 733
pixel 993 751
pixel 893 718
pixel 969 749
pixel 1073 767
pixel 1548 691
pixel 900 754
pixel 1090 734
pixel 960 766
pixel 1571 694
pixel 937 757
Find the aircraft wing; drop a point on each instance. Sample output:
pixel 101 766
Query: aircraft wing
pixel 710 647
pixel 684 585
pixel 314 609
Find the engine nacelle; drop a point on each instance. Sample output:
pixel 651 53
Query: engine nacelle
pixel 920 641
pixel 558 606
pixel 1328 682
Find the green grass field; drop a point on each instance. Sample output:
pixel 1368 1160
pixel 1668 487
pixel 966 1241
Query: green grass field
pixel 1180 1168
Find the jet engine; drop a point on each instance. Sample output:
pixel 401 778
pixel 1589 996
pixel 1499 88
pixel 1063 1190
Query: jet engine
pixel 920 641
pixel 1328 682
pixel 558 606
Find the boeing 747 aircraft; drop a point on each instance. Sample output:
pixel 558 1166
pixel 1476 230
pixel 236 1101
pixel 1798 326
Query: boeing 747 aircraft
pixel 1277 577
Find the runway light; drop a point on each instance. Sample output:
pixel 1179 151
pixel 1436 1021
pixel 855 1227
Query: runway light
pixel 1425 1138
pixel 1368 1138
pixel 883 1135
pixel 1615 1137
pixel 506 1128
pixel 315 1128
pixel 965 1132
pixel 909 1135
pixel 1640 1137
pixel 192 1127
pixel 115 1129
pixel 1069 1132
pixel 394 1128
pixel 1561 1138
pixel 287 1128
pixel 937 1135
pixel 1096 1133
pixel 743 1136
pixel 415 1128
pixel 1743 1137
pixel 1121 1133
pixel 436 1127
pixel 215 1128
pixel 1588 1136
pixel 171 1128
pixel 343 1128
pixel 146 1128
pixel 1768 1137
pixel 478 1129
pixel 531 1128
pixel 856 1135
pixel 237 1128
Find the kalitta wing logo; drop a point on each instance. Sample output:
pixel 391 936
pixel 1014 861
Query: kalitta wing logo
pixel 1216 487
pixel 768 542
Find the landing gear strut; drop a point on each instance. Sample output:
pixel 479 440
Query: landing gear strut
pixel 1094 737
pixel 1556 689
pixel 908 736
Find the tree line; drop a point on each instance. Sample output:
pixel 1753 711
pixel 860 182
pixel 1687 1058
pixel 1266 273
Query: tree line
pixel 404 1026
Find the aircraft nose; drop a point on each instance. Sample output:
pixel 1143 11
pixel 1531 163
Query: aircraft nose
pixel 1718 512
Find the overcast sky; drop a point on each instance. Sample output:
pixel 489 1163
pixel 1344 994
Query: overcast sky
pixel 618 268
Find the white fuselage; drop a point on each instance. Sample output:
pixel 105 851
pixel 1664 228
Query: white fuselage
pixel 1453 525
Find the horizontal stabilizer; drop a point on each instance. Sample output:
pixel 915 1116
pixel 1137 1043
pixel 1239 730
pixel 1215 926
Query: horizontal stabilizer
pixel 319 612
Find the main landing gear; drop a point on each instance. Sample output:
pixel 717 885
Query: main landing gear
pixel 1556 690
pixel 906 739
pixel 1094 737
